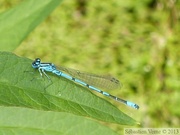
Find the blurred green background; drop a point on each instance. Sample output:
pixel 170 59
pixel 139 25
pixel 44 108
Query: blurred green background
pixel 136 41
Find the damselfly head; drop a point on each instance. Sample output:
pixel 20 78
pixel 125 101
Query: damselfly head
pixel 36 63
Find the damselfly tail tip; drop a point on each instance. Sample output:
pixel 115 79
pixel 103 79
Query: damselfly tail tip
pixel 135 106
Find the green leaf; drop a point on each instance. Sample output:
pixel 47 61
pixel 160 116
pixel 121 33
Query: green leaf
pixel 18 22
pixel 16 121
pixel 21 85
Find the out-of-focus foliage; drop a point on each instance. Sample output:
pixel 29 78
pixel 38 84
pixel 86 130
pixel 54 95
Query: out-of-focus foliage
pixel 17 22
pixel 137 41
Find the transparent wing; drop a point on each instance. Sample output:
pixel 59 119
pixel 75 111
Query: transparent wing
pixel 99 81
